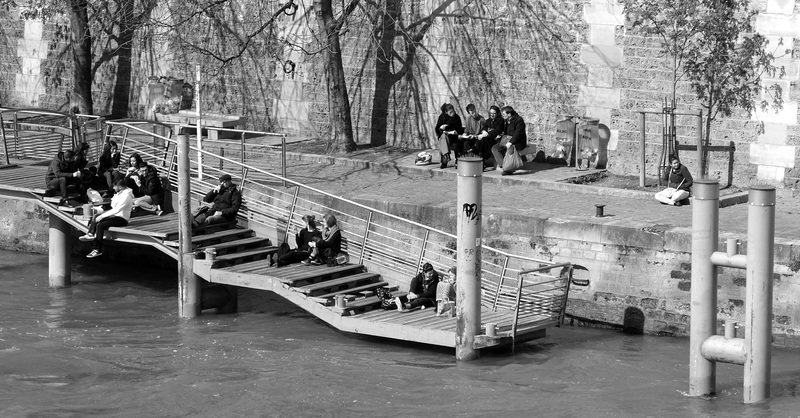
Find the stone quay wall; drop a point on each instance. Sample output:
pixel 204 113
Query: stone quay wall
pixel 593 65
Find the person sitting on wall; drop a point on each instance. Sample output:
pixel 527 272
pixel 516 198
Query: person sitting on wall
pixel 118 215
pixel 303 239
pixel 222 204
pixel 60 174
pixel 513 133
pixel 150 194
pixel 448 128
pixel 325 249
pixel 679 184
pixel 472 127
pixel 422 291
pixel 490 133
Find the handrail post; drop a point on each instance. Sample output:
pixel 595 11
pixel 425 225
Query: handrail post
pixel 242 156
pixel 199 126
pixel 291 214
pixel 283 158
pixel 500 281
pixel 642 153
pixel 468 291
pixel 422 250
pixel 701 162
pixel 364 243
pixel 189 283
pixel 3 133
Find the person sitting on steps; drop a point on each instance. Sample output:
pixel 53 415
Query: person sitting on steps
pixel 60 174
pixel 490 133
pixel 472 127
pixel 118 215
pixel 223 203
pixel 148 191
pixel 303 239
pixel 325 249
pixel 513 133
pixel 448 128
pixel 422 291
pixel 107 166
pixel 679 184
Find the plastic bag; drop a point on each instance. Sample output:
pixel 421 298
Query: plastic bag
pixel 512 161
pixel 94 196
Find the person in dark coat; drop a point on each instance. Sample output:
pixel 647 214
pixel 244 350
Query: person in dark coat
pixel 146 185
pixel 60 174
pixel 303 238
pixel 679 186
pixel 325 249
pixel 513 133
pixel 422 291
pixel 223 202
pixel 107 165
pixel 490 133
pixel 448 128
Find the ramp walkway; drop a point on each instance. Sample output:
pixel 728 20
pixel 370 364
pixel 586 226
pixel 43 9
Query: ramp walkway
pixel 521 296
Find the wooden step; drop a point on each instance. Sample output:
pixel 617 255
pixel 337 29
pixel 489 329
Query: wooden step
pixel 304 275
pixel 336 284
pixel 209 240
pixel 360 306
pixel 203 230
pixel 239 245
pixel 353 290
pixel 244 256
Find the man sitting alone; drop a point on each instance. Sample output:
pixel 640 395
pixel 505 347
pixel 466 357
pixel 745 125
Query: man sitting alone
pixel 223 204
pixel 679 184
pixel 62 173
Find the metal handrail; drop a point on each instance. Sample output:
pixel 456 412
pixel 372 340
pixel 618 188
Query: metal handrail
pixel 542 308
pixel 278 210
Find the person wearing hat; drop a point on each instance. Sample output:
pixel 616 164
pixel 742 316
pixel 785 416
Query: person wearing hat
pixel 222 204
pixel 422 292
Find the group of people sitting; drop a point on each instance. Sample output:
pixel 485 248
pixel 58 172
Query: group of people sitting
pixel 314 247
pixel 486 138
pixel 72 168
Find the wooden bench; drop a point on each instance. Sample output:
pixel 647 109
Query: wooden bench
pixel 211 120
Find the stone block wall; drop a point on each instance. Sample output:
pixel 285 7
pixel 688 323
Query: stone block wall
pixel 590 64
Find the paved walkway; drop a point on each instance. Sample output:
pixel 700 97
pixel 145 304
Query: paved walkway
pixel 538 191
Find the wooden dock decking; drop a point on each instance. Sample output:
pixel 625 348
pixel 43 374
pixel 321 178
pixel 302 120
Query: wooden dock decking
pixel 244 260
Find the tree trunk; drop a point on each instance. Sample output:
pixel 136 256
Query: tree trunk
pixel 81 39
pixel 384 78
pixel 122 85
pixel 337 89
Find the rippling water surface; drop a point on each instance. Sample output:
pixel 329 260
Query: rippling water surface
pixel 112 345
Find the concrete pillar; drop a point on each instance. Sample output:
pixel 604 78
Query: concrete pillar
pixel 468 290
pixel 705 237
pixel 758 302
pixel 188 282
pixel 60 252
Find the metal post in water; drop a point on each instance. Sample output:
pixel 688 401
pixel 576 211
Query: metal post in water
pixel 642 153
pixel 188 283
pixel 199 125
pixel 705 237
pixel 468 290
pixel 60 252
pixel 758 302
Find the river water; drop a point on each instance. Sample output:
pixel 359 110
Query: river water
pixel 112 345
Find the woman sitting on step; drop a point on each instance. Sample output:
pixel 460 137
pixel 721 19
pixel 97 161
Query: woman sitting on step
pixel 118 215
pixel 325 249
pixel 422 292
pixel 303 238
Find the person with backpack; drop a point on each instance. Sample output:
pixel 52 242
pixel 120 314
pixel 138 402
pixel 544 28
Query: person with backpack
pixel 303 239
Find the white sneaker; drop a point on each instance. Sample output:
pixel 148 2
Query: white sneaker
pixel 399 304
pixel 94 254
pixel 87 237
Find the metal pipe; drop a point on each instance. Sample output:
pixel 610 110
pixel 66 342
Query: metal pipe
pixel 199 124
pixel 705 235
pixel 717 348
pixel 468 293
pixel 700 160
pixel 283 158
pixel 721 259
pixel 730 329
pixel 243 151
pixel 366 235
pixel 758 302
pixel 60 252
pixel 188 282
pixel 642 156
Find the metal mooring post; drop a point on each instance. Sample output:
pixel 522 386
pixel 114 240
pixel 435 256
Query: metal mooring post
pixel 188 283
pixel 468 290
pixel 60 252
pixel 754 351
